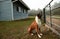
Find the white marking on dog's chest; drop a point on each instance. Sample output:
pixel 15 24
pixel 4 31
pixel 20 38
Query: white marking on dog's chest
pixel 38 21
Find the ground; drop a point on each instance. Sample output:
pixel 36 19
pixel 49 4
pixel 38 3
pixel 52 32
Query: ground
pixel 56 22
pixel 18 30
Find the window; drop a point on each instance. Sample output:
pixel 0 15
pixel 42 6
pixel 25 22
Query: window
pixel 19 9
pixel 26 11
pixel 23 10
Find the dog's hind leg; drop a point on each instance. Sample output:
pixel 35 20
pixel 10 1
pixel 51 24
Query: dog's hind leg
pixel 30 31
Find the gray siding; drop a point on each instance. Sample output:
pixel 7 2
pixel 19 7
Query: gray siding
pixel 5 10
pixel 19 15
pixel 4 0
pixel 8 12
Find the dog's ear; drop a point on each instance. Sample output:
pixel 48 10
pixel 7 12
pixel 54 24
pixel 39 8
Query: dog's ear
pixel 39 15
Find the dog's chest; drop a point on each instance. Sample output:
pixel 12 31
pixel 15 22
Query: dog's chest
pixel 38 21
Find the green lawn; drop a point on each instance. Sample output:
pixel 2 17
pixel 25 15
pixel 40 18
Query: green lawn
pixel 14 29
pixel 54 16
pixel 17 30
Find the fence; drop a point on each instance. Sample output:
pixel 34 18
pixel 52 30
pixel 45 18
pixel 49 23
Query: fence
pixel 52 16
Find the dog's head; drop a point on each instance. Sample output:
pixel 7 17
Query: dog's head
pixel 39 15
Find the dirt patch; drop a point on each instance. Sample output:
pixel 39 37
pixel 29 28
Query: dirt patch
pixel 56 21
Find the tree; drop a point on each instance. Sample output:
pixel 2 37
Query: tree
pixel 34 12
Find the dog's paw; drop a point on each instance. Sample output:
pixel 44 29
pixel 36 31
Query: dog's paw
pixel 32 34
pixel 39 36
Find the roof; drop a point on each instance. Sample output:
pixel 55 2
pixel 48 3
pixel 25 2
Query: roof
pixel 24 4
pixel 21 3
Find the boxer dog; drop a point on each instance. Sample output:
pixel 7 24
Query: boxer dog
pixel 35 26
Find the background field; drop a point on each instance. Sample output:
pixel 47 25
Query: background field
pixel 18 30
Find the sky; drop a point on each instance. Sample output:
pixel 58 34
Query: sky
pixel 35 4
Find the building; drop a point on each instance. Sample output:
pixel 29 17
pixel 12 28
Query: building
pixel 13 10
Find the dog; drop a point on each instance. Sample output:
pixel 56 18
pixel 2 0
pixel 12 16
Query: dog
pixel 35 26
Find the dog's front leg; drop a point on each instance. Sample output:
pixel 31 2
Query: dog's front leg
pixel 37 30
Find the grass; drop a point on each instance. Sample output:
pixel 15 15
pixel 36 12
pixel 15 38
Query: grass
pixel 17 30
pixel 11 29
pixel 56 17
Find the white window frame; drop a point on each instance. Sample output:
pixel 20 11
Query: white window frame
pixel 19 9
